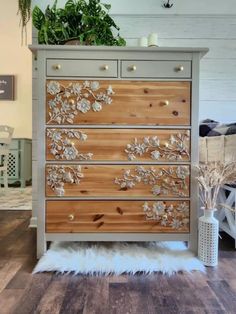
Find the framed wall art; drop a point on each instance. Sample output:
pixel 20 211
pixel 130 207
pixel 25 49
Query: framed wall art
pixel 6 87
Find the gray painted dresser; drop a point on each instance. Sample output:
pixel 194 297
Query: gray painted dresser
pixel 116 138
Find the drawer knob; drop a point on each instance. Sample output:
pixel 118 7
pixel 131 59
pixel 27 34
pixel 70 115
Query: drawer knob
pixel 71 101
pixel 105 67
pixel 165 103
pixel 71 217
pixel 56 66
pixel 180 68
pixel 133 68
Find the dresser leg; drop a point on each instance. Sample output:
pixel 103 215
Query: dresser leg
pixel 41 245
pixel 193 243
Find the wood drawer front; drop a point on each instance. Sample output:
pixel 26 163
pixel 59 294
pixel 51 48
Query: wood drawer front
pixel 82 68
pixel 117 216
pixel 133 102
pixel 155 69
pixel 117 144
pixel 117 180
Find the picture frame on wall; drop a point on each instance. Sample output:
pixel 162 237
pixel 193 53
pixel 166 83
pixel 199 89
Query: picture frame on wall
pixel 6 87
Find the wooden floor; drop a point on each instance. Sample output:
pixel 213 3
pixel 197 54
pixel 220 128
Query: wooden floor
pixel 22 293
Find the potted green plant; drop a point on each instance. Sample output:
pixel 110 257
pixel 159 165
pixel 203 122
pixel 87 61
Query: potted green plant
pixel 82 22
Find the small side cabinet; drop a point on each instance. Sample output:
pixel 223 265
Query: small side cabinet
pixel 20 161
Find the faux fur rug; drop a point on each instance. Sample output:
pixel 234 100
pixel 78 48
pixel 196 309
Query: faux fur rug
pixel 96 258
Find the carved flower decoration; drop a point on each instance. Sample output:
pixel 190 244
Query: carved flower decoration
pixel 110 90
pixel 164 181
pixel 182 207
pixel 77 88
pixel 182 172
pixel 58 175
pixel 83 105
pixel 53 88
pixel 155 154
pixel 94 86
pixel 77 97
pixel 52 104
pixel 167 216
pixel 173 149
pixel 146 206
pixel 65 106
pixel 156 190
pixel 61 144
pixel 70 153
pixel 96 106
pixel 56 136
pixel 159 208
pixel 68 177
pixel 176 224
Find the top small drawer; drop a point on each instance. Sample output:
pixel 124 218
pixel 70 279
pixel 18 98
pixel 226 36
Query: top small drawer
pixel 155 69
pixel 82 68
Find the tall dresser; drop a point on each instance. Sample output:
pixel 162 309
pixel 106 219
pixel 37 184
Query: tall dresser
pixel 116 138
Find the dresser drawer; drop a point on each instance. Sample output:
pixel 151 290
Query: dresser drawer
pixel 82 68
pixel 117 144
pixel 117 216
pixel 118 102
pixel 155 69
pixel 117 181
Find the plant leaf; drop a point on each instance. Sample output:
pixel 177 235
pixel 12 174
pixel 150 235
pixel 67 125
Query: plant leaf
pixel 38 17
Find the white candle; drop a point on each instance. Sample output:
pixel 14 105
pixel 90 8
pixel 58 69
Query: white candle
pixel 152 39
pixel 143 42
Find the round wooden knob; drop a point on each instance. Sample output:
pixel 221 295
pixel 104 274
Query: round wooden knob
pixel 71 217
pixel 105 67
pixel 56 66
pixel 71 101
pixel 166 103
pixel 180 68
pixel 133 68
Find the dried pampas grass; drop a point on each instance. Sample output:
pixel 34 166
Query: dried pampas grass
pixel 211 177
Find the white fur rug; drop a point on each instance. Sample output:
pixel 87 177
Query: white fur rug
pixel 118 258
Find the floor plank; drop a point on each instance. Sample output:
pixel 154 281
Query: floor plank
pixel 52 299
pixel 8 299
pixel 8 271
pixel 23 293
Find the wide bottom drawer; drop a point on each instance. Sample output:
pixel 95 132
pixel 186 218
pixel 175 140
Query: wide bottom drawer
pixel 117 216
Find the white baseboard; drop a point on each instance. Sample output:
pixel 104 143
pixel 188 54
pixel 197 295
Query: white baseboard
pixel 33 222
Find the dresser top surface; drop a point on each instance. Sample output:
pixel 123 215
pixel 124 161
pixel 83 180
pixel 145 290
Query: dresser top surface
pixel 201 50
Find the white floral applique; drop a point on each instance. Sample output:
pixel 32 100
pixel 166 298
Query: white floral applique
pixel 75 98
pixel 61 144
pixel 173 149
pixel 57 176
pixel 164 181
pixel 168 215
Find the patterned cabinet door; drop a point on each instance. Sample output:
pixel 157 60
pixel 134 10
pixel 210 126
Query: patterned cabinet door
pixel 118 102
pixel 117 216
pixel 117 181
pixel 117 144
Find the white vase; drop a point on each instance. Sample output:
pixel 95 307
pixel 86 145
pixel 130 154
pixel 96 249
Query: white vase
pixel 208 238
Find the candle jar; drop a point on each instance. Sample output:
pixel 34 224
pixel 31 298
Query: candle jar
pixel 152 40
pixel 143 42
